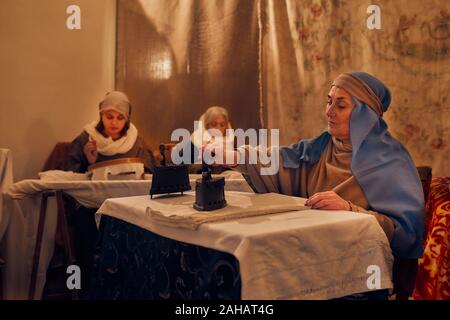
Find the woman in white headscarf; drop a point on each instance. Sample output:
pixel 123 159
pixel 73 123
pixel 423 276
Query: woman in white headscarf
pixel 214 124
pixel 112 137
pixel 213 128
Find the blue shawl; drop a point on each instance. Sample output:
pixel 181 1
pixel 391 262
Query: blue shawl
pixel 382 167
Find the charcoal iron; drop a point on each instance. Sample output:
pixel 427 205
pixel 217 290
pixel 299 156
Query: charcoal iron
pixel 170 178
pixel 209 191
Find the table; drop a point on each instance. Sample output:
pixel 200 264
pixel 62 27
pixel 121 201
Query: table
pixel 148 262
pixel 23 201
pixel 91 194
pixel 308 254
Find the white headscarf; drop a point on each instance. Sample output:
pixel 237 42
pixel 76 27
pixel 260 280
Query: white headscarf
pixel 108 146
pixel 202 135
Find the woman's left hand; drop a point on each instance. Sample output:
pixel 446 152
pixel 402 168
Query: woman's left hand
pixel 328 200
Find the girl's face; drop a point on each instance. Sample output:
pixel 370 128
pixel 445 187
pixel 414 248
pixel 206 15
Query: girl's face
pixel 220 123
pixel 339 108
pixel 113 122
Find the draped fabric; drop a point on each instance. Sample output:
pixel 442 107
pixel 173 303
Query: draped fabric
pixel 271 63
pixel 177 58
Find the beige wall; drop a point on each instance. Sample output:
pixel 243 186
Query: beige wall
pixel 51 78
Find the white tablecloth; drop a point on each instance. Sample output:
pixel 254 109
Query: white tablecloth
pixel 22 204
pixel 92 193
pixel 6 180
pixel 311 254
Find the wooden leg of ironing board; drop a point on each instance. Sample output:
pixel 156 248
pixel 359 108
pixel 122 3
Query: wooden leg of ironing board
pixel 38 245
pixel 63 224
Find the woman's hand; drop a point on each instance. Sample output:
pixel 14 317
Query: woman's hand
pixel 90 151
pixel 328 200
pixel 218 149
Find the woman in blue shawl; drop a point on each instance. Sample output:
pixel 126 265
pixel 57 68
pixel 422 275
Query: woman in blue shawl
pixel 355 164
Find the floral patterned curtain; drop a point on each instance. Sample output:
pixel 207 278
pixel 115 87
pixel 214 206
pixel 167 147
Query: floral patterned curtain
pixel 307 43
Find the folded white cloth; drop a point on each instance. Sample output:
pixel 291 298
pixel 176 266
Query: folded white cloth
pixel 179 212
pixel 122 171
pixel 59 175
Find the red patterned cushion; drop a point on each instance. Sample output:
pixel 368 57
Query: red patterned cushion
pixel 433 276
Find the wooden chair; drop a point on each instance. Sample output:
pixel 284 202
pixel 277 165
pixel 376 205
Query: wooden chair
pixel 405 270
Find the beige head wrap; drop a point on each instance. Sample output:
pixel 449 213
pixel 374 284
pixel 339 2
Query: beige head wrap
pixel 360 90
pixel 117 101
